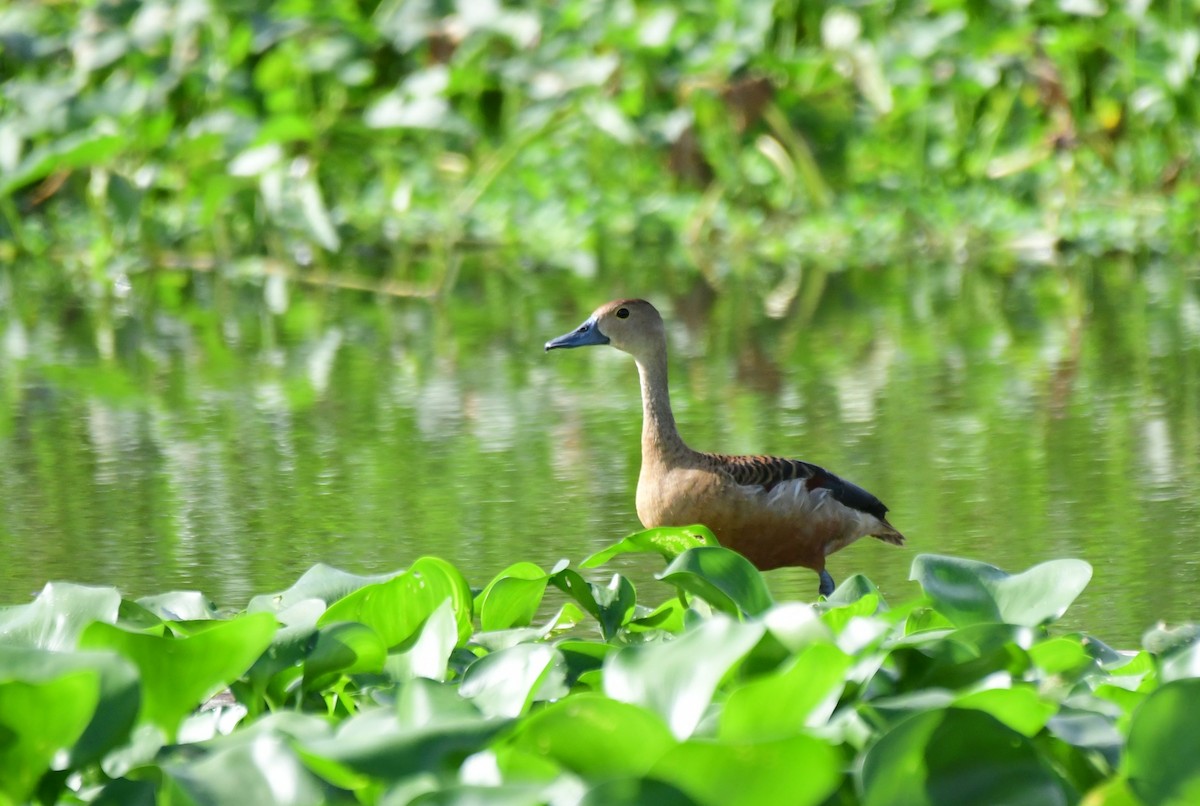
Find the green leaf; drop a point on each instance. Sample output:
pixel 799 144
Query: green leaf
pixel 782 704
pixel 677 679
pixel 397 608
pixel 262 770
pixel 622 739
pixel 957 756
pixel 798 770
pixel 668 541
pixel 1019 707
pixel 376 744
pixel 611 605
pixel 180 673
pixel 429 654
pixel 512 598
pixel 1164 744
pixel 1063 655
pixel 39 718
pixel 321 582
pixel 179 606
pixel 970 592
pixel 343 648
pixel 723 578
pixel 56 617
pixel 507 682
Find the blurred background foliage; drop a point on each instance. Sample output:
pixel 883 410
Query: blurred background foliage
pixel 756 134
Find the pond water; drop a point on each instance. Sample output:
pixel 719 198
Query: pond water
pixel 183 430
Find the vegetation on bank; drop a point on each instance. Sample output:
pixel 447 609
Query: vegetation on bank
pixel 761 135
pixel 413 687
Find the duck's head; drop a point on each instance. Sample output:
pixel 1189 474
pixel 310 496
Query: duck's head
pixel 630 325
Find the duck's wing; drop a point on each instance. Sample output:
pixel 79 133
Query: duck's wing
pixel 770 471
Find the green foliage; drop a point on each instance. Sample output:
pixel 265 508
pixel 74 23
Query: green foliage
pixel 297 131
pixel 742 700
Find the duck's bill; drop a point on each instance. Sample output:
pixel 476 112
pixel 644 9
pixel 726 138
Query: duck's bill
pixel 585 335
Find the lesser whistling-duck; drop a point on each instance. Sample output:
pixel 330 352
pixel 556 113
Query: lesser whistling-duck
pixel 776 512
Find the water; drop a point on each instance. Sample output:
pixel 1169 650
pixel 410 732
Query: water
pixel 187 431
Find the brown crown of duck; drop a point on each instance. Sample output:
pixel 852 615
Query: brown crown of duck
pixel 776 512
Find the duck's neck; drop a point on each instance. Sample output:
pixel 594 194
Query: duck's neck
pixel 660 439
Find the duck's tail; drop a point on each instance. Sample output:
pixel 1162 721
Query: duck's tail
pixel 890 535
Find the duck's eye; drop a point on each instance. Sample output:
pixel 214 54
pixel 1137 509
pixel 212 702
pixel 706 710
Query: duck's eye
pixel 622 313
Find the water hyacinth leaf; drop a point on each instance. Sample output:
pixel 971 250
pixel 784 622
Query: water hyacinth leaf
pixel 322 582
pixel 505 683
pixel 429 655
pixel 59 613
pixel 343 648
pixel 612 605
pixel 180 673
pixel 612 729
pixel 1164 744
pixel 39 718
pixel 797 770
pixel 263 770
pixel 397 608
pixel 179 606
pixel 852 589
pixel 377 744
pixel 723 578
pixel 1062 655
pixel 781 704
pixel 667 541
pixel 677 679
pixel 796 625
pixel 971 592
pixel 1019 707
pixel 512 598
pixel 668 616
pixel 956 756
pixel 1089 730
pixel 117 703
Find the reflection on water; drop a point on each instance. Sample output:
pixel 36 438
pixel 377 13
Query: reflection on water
pixel 190 435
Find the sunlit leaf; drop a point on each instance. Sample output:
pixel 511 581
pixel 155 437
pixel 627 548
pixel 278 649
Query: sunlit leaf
pixel 322 582
pixel 377 744
pixel 782 704
pixel 970 592
pixel 611 605
pixel 264 770
pixel 505 683
pixel 396 608
pixel 179 606
pixel 667 541
pixel 56 617
pixel 796 770
pixel 343 648
pixel 723 578
pixel 622 739
pixel 180 673
pixel 512 598
pixel 1019 707
pixel 38 718
pixel 677 679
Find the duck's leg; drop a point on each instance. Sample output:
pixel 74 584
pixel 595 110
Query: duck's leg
pixel 826 587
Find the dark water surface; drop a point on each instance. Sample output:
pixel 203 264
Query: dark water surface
pixel 188 431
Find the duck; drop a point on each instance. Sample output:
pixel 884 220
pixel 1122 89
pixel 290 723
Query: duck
pixel 776 512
